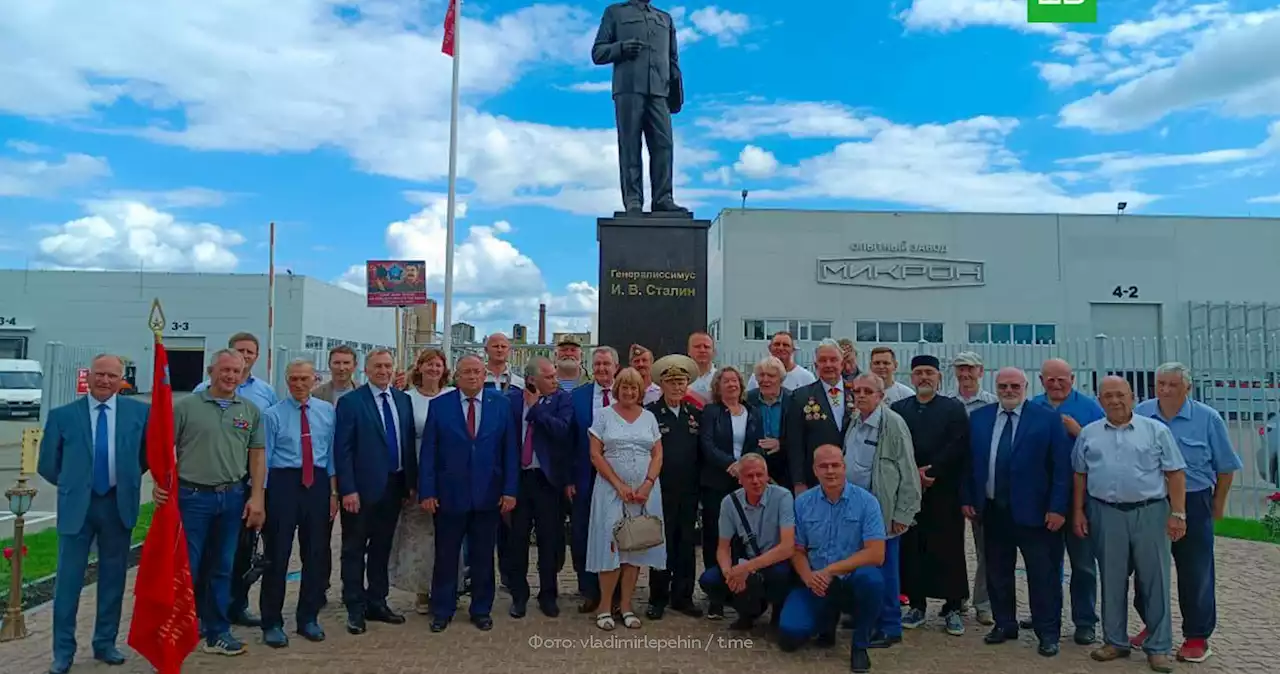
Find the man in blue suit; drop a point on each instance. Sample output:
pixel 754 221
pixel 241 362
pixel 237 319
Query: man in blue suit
pixel 1020 486
pixel 377 471
pixel 94 452
pixel 469 478
pixel 542 414
pixel 586 400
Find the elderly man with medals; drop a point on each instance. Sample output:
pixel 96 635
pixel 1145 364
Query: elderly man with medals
pixel 678 419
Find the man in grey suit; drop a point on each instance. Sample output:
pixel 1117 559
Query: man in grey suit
pixel 94 452
pixel 639 40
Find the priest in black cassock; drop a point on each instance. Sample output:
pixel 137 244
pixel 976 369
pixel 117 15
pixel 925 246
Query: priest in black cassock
pixel 933 554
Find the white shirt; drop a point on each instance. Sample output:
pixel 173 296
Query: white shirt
pixel 898 391
pixel 739 423
pixel 860 443
pixel 979 400
pixel 479 407
pixel 395 418
pixel 1001 420
pixel 652 394
pixel 797 377
pixel 421 404
pixel 837 401
pixel 597 397
pixel 505 380
pixel 111 432
pixel 702 385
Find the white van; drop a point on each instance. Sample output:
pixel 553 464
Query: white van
pixel 21 383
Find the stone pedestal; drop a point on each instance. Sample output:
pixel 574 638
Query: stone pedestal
pixel 653 281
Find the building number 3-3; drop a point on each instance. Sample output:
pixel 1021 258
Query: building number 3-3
pixel 179 326
pixel 1128 293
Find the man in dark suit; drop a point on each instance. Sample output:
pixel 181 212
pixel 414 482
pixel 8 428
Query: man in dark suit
pixel 543 415
pixel 679 421
pixel 1019 484
pixel 469 479
pixel 819 415
pixel 586 400
pixel 377 471
pixel 640 41
pixel 94 452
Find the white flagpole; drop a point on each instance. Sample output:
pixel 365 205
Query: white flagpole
pixel 447 340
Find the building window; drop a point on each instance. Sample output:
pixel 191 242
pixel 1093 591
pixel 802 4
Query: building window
pixel 330 343
pixel 713 329
pixel 1012 333
pixel 366 347
pixel 763 329
pixel 314 343
pixel 898 331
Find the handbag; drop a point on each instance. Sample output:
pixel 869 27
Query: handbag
pixel 639 532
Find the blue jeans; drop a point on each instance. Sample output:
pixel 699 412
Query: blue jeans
pixel 890 623
pixel 860 594
pixel 212 522
pixel 777 585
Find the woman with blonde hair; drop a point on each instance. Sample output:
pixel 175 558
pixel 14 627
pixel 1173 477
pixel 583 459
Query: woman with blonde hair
pixel 413 550
pixel 626 451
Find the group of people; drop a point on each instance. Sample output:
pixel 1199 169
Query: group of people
pixel 817 497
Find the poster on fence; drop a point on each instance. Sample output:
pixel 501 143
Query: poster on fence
pixel 82 381
pixel 396 283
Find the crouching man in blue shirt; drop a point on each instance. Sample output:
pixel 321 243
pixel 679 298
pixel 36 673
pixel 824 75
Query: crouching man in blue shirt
pixel 839 549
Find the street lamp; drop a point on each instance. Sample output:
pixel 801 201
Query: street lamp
pixel 20 496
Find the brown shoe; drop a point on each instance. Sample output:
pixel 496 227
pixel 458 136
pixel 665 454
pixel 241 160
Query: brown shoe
pixel 589 606
pixel 1108 653
pixel 1160 663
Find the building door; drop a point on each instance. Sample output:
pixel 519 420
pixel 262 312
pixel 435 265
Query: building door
pixel 1134 346
pixel 13 347
pixel 186 362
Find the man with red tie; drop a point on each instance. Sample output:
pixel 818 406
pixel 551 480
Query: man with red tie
pixel 302 497
pixel 543 414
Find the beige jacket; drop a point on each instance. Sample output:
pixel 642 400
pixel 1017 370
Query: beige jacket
pixel 895 480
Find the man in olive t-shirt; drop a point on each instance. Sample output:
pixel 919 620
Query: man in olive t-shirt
pixel 216 434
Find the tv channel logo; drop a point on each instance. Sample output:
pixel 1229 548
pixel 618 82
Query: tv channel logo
pixel 1062 11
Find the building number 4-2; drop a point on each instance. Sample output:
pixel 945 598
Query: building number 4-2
pixel 183 325
pixel 1129 293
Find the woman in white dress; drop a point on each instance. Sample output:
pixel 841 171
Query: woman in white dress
pixel 413 550
pixel 626 451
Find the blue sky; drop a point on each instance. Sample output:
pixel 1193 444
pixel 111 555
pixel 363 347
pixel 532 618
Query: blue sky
pixel 167 138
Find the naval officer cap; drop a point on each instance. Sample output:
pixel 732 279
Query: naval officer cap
pixel 675 366
pixel 967 358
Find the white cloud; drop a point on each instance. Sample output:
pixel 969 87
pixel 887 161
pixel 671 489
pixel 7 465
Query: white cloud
pixel 47 177
pixel 494 283
pixel 1200 57
pixel 1273 199
pixel 964 165
pixel 183 197
pixel 25 147
pixel 758 119
pixel 1113 164
pixel 951 15
pixel 710 22
pixel 590 87
pixel 755 162
pixel 122 234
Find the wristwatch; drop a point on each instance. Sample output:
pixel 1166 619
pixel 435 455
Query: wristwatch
pixel 1180 516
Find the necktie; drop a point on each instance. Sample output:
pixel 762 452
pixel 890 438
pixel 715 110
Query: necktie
pixel 526 452
pixel 605 400
pixel 101 454
pixel 1004 455
pixel 471 417
pixel 389 425
pixel 834 393
pixel 308 458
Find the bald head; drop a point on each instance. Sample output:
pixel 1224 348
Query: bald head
pixel 828 466
pixel 1011 387
pixel 1057 379
pixel 1116 397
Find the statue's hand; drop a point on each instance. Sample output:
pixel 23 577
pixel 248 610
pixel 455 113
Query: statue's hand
pixel 632 48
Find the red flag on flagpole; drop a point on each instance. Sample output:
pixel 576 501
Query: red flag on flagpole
pixel 450 24
pixel 164 628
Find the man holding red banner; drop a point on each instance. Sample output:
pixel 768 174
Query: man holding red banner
pixel 217 433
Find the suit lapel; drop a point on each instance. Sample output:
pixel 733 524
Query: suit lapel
pixel 82 422
pixel 123 422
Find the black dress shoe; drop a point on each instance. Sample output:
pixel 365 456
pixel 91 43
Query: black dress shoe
pixel 667 206
pixel 383 614
pixel 311 632
pixel 111 656
pixel 1048 648
pixel 999 636
pixel 482 622
pixel 1025 624
pixel 356 624
pixel 880 640
pixel 655 612
pixel 549 608
pixel 634 209
pixel 439 624
pixel 859 661
pixel 825 640
pixel 518 609
pixel 1085 636
pixel 687 608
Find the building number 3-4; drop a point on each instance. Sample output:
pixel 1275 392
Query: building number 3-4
pixel 1127 293
pixel 183 325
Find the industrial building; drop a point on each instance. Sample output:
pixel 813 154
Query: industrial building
pixel 91 311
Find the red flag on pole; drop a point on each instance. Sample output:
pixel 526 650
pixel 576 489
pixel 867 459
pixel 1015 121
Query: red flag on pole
pixel 164 628
pixel 450 23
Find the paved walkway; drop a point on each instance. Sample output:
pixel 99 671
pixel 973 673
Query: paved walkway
pixel 1247 641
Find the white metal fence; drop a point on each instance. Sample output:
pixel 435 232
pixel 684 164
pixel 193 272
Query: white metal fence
pixel 61 366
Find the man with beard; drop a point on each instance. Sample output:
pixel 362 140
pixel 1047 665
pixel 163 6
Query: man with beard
pixel 933 555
